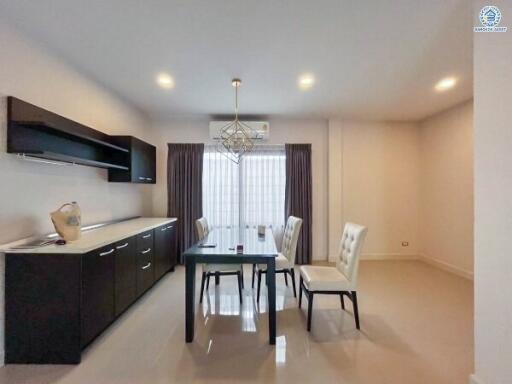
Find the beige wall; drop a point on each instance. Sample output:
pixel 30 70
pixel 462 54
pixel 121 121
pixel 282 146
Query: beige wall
pixel 335 189
pixel 281 131
pixel 30 191
pixel 493 200
pixel 378 173
pixel 446 193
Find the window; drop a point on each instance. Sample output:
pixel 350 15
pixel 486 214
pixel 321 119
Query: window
pixel 248 194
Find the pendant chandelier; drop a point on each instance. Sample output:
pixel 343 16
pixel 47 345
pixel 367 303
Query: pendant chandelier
pixel 236 137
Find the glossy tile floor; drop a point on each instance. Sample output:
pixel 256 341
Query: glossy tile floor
pixel 416 320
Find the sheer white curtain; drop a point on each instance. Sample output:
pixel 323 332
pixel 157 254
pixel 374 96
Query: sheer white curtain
pixel 248 194
pixel 221 190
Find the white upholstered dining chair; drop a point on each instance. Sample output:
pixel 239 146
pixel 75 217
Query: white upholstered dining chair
pixel 202 228
pixel 340 280
pixel 216 270
pixel 285 261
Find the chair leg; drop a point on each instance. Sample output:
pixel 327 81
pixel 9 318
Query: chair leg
pixel 310 309
pixel 259 286
pixel 203 278
pixel 300 291
pixel 242 271
pixel 217 278
pixel 285 278
pixel 356 309
pixel 342 301
pixel 292 274
pixel 239 275
pixel 207 281
pixel 253 273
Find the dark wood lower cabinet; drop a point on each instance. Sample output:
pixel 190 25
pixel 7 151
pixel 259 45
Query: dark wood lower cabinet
pixel 162 248
pixel 145 271
pixel 173 253
pixel 125 274
pixel 42 309
pixel 97 292
pixel 56 304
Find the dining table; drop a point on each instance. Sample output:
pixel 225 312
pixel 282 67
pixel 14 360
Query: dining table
pixel 231 246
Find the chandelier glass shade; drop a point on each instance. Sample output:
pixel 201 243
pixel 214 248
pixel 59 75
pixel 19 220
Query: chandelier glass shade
pixel 236 137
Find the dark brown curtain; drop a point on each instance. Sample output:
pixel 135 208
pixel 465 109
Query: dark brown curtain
pixel 185 190
pixel 298 196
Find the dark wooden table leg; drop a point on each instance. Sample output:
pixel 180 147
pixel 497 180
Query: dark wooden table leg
pixel 271 288
pixel 190 293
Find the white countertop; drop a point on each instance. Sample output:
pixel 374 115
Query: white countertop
pixel 97 238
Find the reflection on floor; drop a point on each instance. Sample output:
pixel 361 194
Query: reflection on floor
pixel 416 324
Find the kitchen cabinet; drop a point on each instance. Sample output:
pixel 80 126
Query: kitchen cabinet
pixel 174 245
pixel 34 132
pixel 165 249
pixel 59 299
pixel 142 164
pixel 145 262
pixel 97 292
pixel 125 274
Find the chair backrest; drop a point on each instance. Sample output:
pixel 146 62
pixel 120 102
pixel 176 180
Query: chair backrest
pixel 202 228
pixel 350 249
pixel 290 238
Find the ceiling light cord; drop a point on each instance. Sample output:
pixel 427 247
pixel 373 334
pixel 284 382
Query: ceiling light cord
pixel 236 102
pixel 236 83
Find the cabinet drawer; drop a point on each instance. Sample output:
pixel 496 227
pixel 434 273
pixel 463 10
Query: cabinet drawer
pixel 145 240
pixel 145 270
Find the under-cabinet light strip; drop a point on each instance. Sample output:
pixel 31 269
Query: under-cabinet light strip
pixel 22 156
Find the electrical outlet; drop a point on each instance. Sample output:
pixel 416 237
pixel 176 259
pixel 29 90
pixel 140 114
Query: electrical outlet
pixel 405 243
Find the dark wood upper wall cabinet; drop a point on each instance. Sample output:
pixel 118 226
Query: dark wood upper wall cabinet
pixel 142 167
pixel 36 132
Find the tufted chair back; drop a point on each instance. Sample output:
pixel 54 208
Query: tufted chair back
pixel 202 228
pixel 350 249
pixel 290 239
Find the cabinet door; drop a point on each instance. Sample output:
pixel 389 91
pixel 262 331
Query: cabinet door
pixel 125 274
pixel 162 254
pixel 143 162
pixel 97 292
pixel 173 252
pixel 145 270
pixel 150 156
pixel 138 166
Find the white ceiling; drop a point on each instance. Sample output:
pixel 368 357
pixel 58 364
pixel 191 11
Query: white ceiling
pixel 372 59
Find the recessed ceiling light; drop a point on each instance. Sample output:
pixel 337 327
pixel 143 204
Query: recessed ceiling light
pixel 165 80
pixel 445 84
pixel 306 81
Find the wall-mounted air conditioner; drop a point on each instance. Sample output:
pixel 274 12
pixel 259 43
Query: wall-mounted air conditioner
pixel 260 129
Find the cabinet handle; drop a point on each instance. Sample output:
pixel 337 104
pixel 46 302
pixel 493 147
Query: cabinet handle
pixel 146 251
pixel 147 236
pixel 147 265
pixel 107 252
pixel 142 178
pixel 149 179
pixel 122 246
pixel 169 227
pixel 164 229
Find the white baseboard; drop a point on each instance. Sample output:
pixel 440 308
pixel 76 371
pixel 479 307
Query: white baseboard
pixel 474 380
pixel 388 256
pixel 446 266
pixel 421 257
